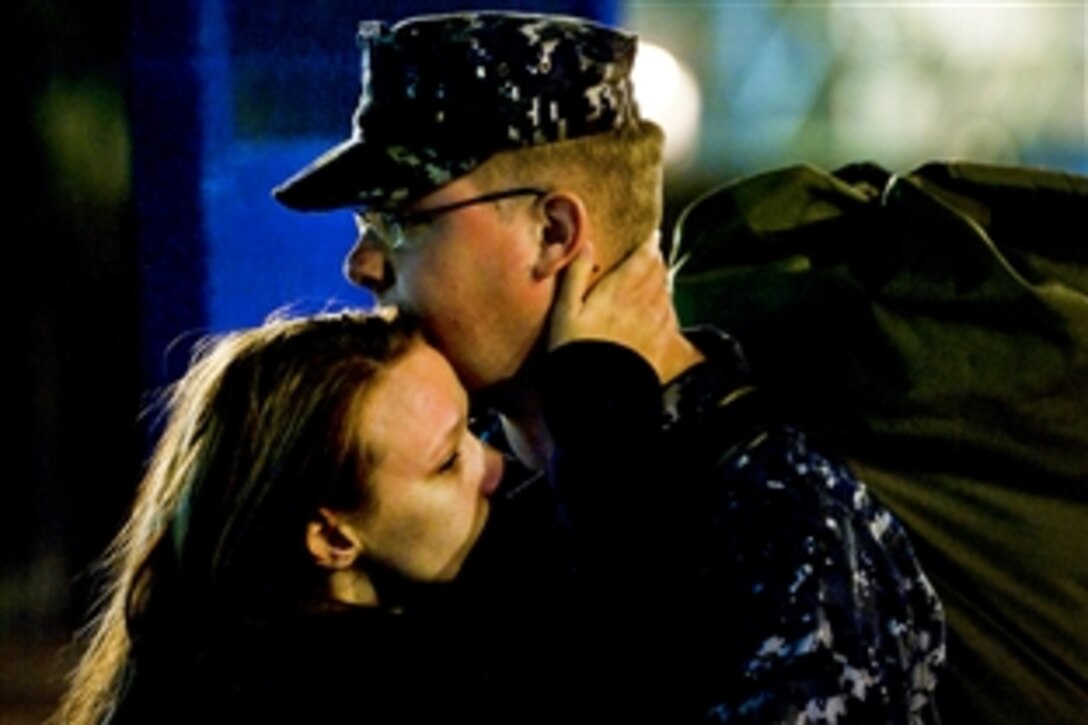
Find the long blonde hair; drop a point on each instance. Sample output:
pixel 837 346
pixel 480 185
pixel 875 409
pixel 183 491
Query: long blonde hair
pixel 256 437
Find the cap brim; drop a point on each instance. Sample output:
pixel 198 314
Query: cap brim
pixel 350 174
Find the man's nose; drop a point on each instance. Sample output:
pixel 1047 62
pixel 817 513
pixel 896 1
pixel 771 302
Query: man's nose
pixel 367 265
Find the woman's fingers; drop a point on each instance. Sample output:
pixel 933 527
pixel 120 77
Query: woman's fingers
pixel 629 305
pixel 569 299
pixel 635 275
pixel 575 283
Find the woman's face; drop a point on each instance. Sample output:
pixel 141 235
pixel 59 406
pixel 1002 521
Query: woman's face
pixel 428 476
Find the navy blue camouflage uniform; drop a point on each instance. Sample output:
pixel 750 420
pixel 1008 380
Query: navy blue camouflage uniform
pixel 752 576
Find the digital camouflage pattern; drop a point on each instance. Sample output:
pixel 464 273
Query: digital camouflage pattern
pixel 751 578
pixel 443 93
pixel 829 616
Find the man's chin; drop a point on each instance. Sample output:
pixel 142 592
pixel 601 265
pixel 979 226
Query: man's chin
pixel 509 394
pixel 500 396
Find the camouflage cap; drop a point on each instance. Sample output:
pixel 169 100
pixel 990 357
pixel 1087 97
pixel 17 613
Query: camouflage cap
pixel 443 93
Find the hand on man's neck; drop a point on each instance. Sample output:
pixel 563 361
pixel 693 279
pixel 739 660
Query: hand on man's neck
pixel 678 356
pixel 633 308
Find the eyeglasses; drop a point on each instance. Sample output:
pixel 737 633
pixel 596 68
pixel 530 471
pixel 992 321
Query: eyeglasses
pixel 390 226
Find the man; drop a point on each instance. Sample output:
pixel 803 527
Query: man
pixel 749 577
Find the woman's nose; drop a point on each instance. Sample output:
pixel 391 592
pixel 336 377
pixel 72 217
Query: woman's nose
pixel 492 470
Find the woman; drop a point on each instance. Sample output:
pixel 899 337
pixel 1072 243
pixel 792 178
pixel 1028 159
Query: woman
pixel 315 484
pixel 252 512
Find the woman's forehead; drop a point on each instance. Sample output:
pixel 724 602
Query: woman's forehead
pixel 406 416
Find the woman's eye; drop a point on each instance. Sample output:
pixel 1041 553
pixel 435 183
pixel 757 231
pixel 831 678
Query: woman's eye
pixel 450 463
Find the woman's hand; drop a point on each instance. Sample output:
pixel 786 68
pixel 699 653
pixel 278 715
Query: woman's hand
pixel 629 305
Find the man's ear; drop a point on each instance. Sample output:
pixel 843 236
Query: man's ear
pixel 565 231
pixel 331 541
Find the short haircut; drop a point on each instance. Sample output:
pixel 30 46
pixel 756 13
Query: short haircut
pixel 617 174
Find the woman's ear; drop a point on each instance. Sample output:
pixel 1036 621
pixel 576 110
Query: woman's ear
pixel 563 235
pixel 331 541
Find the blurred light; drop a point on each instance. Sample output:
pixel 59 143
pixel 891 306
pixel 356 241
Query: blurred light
pixel 885 109
pixel 969 78
pixel 667 94
pixel 975 33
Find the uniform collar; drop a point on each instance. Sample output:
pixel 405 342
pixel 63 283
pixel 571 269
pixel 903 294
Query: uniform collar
pixel 704 387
